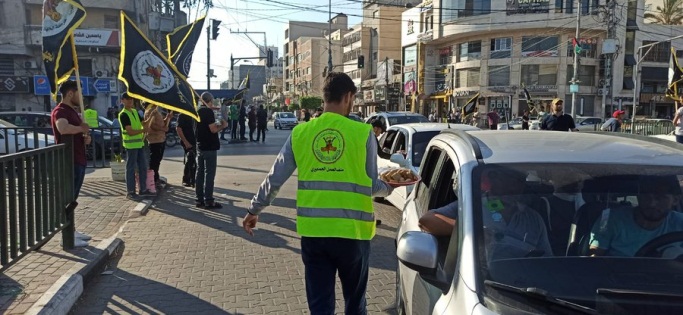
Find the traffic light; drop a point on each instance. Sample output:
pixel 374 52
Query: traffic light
pixel 269 58
pixel 361 62
pixel 214 28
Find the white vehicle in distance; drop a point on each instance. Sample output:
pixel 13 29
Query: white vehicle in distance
pixel 283 120
pixel 18 140
pixel 411 139
pixel 389 119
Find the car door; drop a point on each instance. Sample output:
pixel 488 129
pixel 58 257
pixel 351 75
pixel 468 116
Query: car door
pixel 412 286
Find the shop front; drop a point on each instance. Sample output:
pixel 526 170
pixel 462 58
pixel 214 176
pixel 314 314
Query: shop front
pixel 658 106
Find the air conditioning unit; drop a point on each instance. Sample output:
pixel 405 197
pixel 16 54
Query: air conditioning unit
pixel 31 64
pixel 101 73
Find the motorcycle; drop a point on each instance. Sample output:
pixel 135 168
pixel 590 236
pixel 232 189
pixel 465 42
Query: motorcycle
pixel 172 138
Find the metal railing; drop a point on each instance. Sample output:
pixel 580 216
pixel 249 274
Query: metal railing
pixel 37 200
pixel 106 142
pixel 645 128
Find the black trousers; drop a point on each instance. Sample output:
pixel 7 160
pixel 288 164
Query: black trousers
pixel 156 154
pixel 252 128
pixel 233 130
pixel 190 166
pixel 261 133
pixel 243 130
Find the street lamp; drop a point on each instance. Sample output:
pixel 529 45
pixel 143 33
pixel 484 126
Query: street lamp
pixel 636 71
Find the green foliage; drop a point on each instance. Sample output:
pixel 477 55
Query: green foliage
pixel 294 106
pixel 117 158
pixel 311 102
pixel 670 14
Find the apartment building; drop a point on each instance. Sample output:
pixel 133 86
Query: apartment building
pixel 23 85
pixel 305 55
pixel 495 48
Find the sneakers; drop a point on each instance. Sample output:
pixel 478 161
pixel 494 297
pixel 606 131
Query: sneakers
pixel 147 193
pixel 82 236
pixel 80 243
pixel 132 196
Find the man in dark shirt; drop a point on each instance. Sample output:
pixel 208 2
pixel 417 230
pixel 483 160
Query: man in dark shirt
pixel 208 145
pixel 65 120
pixel 558 121
pixel 185 130
pixel 242 121
pixel 261 124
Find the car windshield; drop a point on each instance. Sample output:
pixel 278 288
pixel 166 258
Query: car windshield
pixel 580 232
pixel 420 141
pixel 286 115
pixel 407 119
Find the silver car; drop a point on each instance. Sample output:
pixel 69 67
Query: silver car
pixel 526 221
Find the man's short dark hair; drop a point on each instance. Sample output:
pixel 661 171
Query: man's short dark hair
pixel 126 96
pixel 337 84
pixel 67 87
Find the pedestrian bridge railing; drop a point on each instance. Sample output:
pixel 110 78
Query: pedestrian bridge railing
pixel 37 200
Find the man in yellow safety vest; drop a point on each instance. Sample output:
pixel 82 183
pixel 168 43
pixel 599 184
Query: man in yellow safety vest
pixel 337 162
pixel 132 132
pixel 91 117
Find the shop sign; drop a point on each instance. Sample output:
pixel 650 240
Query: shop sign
pixel 657 98
pixel 14 84
pixel 464 93
pixel 411 27
pixel 410 55
pixel 96 37
pixel 541 88
pixel 527 6
pixel 379 93
pixel 394 93
pixel 369 95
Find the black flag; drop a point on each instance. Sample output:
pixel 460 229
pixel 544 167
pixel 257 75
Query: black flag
pixel 529 101
pixel 151 77
pixel 675 76
pixel 60 19
pixel 470 106
pixel 181 43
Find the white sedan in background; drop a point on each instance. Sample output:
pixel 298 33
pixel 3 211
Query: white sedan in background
pixel 411 139
pixel 17 140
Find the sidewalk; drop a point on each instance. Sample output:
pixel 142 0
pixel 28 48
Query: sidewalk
pixel 101 212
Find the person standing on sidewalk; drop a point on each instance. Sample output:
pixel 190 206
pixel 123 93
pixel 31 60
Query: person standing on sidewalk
pixel 252 123
pixel 678 122
pixel 208 145
pixel 157 127
pixel 234 120
pixel 261 124
pixel 335 215
pixel 225 113
pixel 65 120
pixel 185 129
pixel 132 132
pixel 242 120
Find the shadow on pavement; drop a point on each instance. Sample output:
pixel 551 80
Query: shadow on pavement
pixel 10 291
pixel 125 293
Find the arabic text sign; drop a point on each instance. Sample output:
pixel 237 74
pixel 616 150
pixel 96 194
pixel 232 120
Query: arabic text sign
pixel 95 37
pixel 14 84
pixel 527 6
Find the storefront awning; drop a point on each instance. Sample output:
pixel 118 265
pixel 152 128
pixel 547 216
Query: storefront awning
pixel 629 60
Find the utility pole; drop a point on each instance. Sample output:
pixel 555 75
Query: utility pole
pixel 386 81
pixel 208 58
pixel 576 60
pixel 329 40
pixel 609 57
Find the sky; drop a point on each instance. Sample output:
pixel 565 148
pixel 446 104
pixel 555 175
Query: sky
pixel 269 16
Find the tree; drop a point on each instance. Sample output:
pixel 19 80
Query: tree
pixel 311 102
pixel 670 14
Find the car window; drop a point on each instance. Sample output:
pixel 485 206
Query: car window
pixel 443 194
pixel 427 173
pixel 419 142
pixel 388 141
pixel 407 119
pixel 287 115
pixel 400 143
pixel 371 119
pixel 383 121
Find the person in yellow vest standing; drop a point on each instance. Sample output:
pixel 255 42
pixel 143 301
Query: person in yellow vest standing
pixel 91 118
pixel 132 132
pixel 337 162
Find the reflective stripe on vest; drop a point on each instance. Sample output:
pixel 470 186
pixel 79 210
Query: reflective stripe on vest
pixel 132 142
pixel 334 195
pixel 91 118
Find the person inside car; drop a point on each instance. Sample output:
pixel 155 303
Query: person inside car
pixel 512 228
pixel 623 231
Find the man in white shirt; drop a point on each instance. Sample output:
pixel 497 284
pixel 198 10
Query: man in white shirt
pixel 678 122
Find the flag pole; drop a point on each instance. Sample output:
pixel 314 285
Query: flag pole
pixel 78 75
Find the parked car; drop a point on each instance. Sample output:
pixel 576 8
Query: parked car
pixel 389 119
pixel 412 140
pixel 107 138
pixel 497 260
pixel 355 117
pixel 283 120
pixel 17 140
pixel 589 123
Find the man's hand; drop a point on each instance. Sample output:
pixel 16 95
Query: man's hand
pixel 85 127
pixel 87 139
pixel 187 145
pixel 249 223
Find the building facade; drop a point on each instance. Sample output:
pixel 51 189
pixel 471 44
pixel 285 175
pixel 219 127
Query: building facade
pixel 23 85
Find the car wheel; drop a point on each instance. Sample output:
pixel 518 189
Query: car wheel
pixel 400 305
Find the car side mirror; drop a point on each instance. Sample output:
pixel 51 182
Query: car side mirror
pixel 399 159
pixel 418 251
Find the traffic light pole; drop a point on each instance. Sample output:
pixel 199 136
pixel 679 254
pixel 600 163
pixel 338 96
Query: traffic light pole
pixel 208 58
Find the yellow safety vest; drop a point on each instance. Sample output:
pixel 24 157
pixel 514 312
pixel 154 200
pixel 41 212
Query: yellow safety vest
pixel 91 118
pixel 132 142
pixel 334 198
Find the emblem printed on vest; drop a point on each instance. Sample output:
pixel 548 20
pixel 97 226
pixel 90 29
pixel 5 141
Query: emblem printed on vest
pixel 328 146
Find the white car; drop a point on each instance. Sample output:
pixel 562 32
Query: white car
pixel 589 123
pixel 283 120
pixel 411 139
pixel 17 140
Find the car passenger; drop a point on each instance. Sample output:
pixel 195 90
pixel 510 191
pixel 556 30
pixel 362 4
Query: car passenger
pixel 623 231
pixel 512 229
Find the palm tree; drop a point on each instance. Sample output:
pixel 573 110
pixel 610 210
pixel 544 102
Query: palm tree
pixel 670 14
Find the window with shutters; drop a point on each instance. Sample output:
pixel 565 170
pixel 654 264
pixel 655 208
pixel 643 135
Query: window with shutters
pixel 6 65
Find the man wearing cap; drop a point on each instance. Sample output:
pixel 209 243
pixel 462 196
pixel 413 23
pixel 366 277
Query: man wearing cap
pixel 614 124
pixel 558 121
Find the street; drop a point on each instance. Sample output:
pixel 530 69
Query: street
pixel 182 259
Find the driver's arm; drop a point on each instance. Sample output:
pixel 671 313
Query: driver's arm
pixel 440 222
pixel 596 251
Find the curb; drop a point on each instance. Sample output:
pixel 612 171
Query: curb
pixel 63 294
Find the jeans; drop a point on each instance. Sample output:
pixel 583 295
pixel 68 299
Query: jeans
pixel 226 130
pixel 679 138
pixel 252 128
pixel 190 169
pixel 79 175
pixel 233 130
pixel 261 133
pixel 156 154
pixel 135 159
pixel 323 257
pixel 206 173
